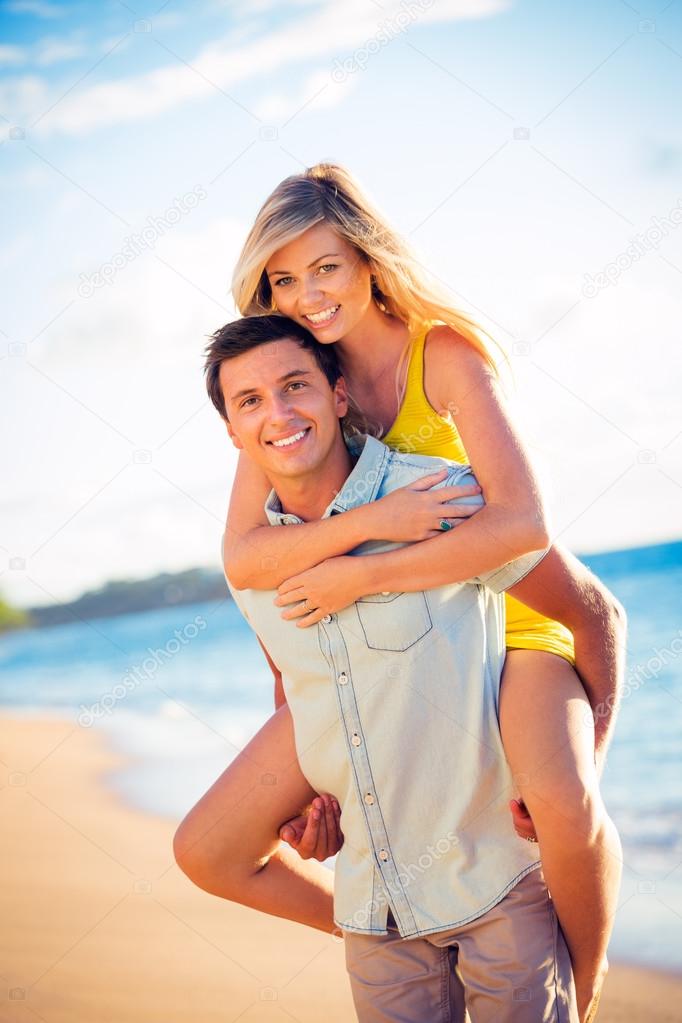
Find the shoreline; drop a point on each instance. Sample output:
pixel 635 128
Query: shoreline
pixel 90 880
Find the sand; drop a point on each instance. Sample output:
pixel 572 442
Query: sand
pixel 100 926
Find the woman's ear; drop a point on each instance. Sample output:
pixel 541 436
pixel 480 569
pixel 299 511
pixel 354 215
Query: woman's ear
pixel 341 395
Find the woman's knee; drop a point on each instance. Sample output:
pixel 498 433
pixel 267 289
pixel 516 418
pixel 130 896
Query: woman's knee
pixel 570 807
pixel 197 858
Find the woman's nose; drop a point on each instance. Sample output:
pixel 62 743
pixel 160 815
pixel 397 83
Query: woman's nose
pixel 310 294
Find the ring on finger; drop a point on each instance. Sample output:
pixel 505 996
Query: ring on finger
pixel 307 606
pixel 445 525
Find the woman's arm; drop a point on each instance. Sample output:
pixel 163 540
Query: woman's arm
pixel 258 557
pixel 511 523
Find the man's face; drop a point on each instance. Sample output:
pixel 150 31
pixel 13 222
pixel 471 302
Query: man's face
pixel 281 408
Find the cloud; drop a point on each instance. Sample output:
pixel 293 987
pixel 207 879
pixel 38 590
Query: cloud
pixel 329 30
pixel 39 8
pixel 318 92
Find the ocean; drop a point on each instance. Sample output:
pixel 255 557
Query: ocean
pixel 182 689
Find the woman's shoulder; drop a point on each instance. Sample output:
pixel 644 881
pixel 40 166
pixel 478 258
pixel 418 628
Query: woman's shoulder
pixel 451 360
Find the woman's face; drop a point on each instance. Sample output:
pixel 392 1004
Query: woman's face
pixel 322 282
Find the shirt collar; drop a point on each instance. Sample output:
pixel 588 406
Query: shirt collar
pixel 361 486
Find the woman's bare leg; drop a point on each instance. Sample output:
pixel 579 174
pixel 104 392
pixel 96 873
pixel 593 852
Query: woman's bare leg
pixel 228 843
pixel 548 737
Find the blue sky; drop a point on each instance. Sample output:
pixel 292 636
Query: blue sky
pixel 524 148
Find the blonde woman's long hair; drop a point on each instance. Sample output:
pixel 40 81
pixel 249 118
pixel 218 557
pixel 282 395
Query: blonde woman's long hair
pixel 328 193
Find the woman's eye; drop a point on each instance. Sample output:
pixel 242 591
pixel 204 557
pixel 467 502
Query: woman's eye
pixel 329 266
pixel 282 280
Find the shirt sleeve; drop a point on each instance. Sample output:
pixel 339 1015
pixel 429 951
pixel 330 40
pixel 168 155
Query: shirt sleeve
pixel 506 576
pixel 238 599
pixel 503 578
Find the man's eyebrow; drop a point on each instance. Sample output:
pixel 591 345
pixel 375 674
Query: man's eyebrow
pixel 326 256
pixel 282 380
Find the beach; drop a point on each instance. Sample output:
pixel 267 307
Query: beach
pixel 99 923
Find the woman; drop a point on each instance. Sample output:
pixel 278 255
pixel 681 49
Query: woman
pixel 417 368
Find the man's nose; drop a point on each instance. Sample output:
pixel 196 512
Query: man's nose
pixel 280 408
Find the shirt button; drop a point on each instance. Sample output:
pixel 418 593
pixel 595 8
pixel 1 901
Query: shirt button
pixel 383 855
pixel 369 799
pixel 342 679
pixel 327 619
pixel 355 739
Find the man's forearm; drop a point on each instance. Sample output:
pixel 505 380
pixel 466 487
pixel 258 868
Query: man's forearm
pixel 600 663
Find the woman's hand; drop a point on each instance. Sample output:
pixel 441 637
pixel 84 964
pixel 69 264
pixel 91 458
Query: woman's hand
pixel 415 512
pixel 322 590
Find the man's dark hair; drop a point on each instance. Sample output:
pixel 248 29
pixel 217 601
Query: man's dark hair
pixel 249 332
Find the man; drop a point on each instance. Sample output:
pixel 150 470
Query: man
pixel 394 703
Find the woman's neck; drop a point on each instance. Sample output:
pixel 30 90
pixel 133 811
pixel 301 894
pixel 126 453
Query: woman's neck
pixel 373 345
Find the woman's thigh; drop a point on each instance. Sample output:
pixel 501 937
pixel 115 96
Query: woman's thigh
pixel 239 817
pixel 547 727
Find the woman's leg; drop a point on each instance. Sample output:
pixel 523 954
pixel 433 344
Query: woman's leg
pixel 228 843
pixel 548 737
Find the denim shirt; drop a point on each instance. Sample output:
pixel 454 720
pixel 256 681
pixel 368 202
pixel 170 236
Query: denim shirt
pixel 394 702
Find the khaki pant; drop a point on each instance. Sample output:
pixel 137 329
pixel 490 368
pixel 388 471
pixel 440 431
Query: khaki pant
pixel 510 965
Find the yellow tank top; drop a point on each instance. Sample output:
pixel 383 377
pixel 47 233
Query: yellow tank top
pixel 419 428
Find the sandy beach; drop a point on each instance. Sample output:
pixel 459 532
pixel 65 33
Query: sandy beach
pixel 100 925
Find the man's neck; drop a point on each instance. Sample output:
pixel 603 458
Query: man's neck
pixel 309 496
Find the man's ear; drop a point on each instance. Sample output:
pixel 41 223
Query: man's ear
pixel 341 395
pixel 232 435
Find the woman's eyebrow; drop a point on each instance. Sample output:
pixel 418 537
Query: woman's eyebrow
pixel 326 256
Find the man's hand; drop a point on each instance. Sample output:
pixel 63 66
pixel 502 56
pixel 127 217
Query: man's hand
pixel 317 833
pixel 523 824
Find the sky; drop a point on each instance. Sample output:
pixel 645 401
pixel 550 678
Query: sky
pixel 530 152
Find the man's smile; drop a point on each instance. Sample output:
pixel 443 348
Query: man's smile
pixel 291 440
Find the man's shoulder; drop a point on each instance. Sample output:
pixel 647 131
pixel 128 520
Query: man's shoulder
pixel 404 467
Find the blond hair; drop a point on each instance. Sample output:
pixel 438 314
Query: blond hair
pixel 328 193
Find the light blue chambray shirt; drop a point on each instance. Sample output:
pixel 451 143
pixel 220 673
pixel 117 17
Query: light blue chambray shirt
pixel 394 702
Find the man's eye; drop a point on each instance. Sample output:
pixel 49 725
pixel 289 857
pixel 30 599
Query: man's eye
pixel 248 401
pixel 297 383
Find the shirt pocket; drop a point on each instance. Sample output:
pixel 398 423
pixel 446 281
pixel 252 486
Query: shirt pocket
pixel 393 621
